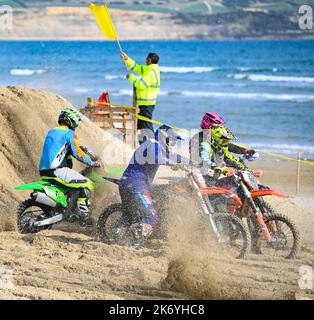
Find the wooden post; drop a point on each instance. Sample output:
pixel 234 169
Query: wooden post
pixel 298 172
pixel 135 119
pixel 90 102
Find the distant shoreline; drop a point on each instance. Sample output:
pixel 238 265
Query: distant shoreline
pixel 78 24
pixel 154 40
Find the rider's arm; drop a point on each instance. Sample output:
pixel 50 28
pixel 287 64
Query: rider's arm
pixel 236 149
pixel 77 152
pixel 232 161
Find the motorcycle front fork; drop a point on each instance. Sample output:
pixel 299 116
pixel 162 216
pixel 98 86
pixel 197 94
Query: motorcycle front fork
pixel 257 212
pixel 207 208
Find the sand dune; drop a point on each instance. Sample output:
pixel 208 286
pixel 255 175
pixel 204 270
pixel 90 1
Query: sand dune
pixel 70 263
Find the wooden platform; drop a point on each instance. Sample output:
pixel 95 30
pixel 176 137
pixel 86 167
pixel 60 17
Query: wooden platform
pixel 122 119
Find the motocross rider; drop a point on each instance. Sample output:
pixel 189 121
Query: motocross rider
pixel 211 148
pixel 61 144
pixel 137 180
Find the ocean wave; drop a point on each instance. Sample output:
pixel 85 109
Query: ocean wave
pixel 82 90
pixel 26 72
pixel 252 69
pixel 271 78
pixel 251 96
pixel 280 78
pixel 122 92
pixel 112 77
pixel 186 69
pixel 126 92
pixel 288 149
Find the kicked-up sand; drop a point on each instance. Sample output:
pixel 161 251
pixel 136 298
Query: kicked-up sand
pixel 68 262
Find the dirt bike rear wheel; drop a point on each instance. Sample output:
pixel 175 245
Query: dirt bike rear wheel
pixel 285 235
pixel 29 212
pixel 236 234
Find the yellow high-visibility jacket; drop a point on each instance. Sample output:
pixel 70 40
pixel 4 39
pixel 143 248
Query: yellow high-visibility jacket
pixel 147 85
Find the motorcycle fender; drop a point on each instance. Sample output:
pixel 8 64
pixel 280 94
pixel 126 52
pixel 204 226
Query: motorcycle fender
pixel 213 190
pixel 266 192
pixel 217 190
pixel 39 185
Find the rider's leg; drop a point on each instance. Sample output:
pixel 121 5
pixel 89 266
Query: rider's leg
pixel 137 203
pixel 226 182
pixel 75 180
pixel 83 203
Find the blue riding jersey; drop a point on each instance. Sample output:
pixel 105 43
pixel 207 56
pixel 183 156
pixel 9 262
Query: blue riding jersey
pixel 145 162
pixel 60 143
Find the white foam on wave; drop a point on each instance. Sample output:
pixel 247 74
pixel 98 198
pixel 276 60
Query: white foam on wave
pixel 123 92
pixel 112 77
pixel 126 92
pixel 271 78
pixel 246 69
pixel 26 72
pixel 186 69
pixel 239 76
pixel 255 77
pixel 251 96
pixel 82 90
pixel 283 148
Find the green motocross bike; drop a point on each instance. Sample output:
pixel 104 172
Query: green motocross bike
pixel 51 202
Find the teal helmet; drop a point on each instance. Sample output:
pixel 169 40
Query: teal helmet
pixel 70 117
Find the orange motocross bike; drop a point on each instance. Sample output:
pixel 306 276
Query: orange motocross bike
pixel 272 233
pixel 228 231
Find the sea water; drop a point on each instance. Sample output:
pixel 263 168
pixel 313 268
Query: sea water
pixel 263 89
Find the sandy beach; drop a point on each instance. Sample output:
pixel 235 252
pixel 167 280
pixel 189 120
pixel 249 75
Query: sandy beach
pixel 70 263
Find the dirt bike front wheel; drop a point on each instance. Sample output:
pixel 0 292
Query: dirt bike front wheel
pixel 285 237
pixel 234 236
pixel 108 224
pixel 29 212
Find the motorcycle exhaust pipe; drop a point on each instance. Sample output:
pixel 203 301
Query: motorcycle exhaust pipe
pixel 43 199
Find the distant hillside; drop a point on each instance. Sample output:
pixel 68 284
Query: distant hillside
pixel 160 19
pixel 172 6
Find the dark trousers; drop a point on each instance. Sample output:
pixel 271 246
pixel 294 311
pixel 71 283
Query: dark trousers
pixel 137 204
pixel 145 111
pixel 147 129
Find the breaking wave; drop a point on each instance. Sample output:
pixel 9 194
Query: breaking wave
pixel 251 96
pixel 271 78
pixel 26 72
pixel 186 69
pixel 287 149
pixel 112 77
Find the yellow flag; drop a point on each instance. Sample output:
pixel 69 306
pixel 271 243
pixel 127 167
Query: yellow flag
pixel 104 21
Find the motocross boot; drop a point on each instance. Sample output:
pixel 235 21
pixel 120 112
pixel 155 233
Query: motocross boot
pixel 84 218
pixel 118 231
pixel 141 231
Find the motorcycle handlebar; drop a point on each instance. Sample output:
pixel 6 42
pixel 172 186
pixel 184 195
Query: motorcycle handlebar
pixel 91 154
